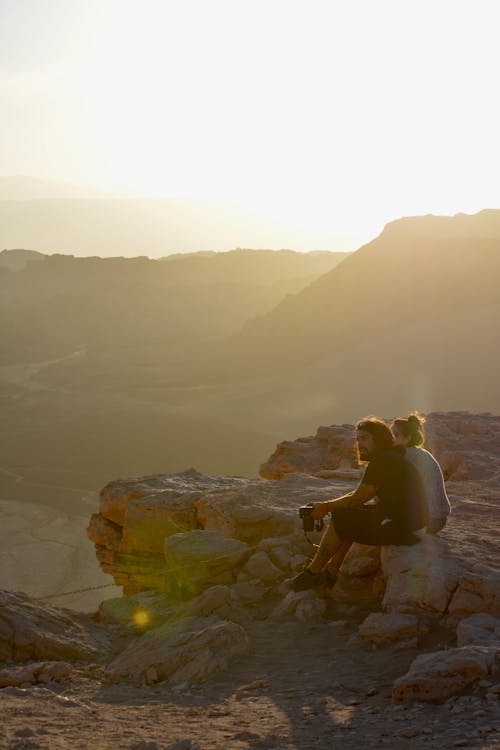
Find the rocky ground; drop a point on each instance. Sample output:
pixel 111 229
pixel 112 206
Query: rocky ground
pixel 299 686
pixel 402 653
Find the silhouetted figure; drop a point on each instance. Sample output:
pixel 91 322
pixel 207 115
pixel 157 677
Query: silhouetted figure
pixel 400 509
pixel 409 433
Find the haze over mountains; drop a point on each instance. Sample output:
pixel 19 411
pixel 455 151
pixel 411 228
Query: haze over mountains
pixel 150 308
pixel 92 348
pixel 53 217
pixel 116 367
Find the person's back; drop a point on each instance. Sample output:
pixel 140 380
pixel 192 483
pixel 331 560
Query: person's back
pixel 399 489
pixel 408 433
pixel 436 499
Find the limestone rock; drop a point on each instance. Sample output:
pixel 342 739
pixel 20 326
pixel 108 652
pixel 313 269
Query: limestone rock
pixel 466 445
pixel 261 567
pixel 104 532
pixel 478 591
pixel 29 630
pixel 384 628
pixel 329 453
pixel 116 496
pixel 195 557
pixel 260 509
pixel 210 601
pixel 288 605
pixel 143 610
pixel 137 515
pixel 310 609
pixel 248 592
pixel 280 550
pixel 361 560
pixel 423 576
pixel 439 675
pixel 189 652
pixel 479 629
pixel 298 563
pixel 39 672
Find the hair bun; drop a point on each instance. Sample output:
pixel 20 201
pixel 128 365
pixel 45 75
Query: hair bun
pixel 414 420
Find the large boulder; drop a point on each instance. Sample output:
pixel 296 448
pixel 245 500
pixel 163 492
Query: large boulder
pixel 466 445
pixel 479 629
pixel 260 509
pixel 439 675
pixel 195 558
pixel 478 591
pixel 185 652
pixel 116 496
pixel 37 673
pixel 421 577
pixel 384 628
pixel 29 631
pixel 330 452
pixel 361 560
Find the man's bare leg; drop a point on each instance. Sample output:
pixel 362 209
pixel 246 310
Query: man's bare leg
pixel 333 566
pixel 330 544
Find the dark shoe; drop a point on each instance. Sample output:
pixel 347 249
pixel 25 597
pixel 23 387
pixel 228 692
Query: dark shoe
pixel 304 580
pixel 328 581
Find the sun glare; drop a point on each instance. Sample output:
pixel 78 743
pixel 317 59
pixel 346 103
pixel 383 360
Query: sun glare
pixel 330 114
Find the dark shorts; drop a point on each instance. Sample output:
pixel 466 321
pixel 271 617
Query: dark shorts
pixel 365 526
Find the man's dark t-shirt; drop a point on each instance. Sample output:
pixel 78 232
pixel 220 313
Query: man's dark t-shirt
pixel 399 489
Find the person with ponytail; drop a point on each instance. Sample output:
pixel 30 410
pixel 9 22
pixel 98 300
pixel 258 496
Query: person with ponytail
pixel 387 507
pixel 409 434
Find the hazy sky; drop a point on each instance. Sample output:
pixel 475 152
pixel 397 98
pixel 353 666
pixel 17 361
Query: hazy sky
pixel 326 114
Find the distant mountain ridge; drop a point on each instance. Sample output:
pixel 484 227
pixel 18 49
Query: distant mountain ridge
pixel 61 303
pixel 417 269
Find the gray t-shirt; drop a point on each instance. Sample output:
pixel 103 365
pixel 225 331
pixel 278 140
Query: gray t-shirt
pixel 430 472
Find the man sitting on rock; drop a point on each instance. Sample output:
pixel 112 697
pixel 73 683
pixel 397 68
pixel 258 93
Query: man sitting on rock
pixel 399 511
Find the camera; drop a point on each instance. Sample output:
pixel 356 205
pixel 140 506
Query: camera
pixel 308 521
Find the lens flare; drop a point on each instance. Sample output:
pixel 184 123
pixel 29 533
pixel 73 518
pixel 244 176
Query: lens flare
pixel 141 618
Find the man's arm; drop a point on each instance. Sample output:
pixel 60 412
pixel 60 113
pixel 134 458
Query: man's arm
pixel 359 496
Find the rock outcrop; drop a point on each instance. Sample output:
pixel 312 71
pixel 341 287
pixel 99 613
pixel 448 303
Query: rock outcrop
pixel 466 445
pixel 188 653
pixel 478 591
pixel 149 527
pixel 439 675
pixel 329 453
pixel 29 630
pixel 421 577
pixel 39 673
pixel 199 558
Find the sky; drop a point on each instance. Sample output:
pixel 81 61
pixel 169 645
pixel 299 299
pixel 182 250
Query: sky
pixel 337 116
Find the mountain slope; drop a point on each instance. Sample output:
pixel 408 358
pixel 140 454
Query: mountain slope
pixel 418 269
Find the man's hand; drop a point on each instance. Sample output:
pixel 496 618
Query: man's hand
pixel 320 509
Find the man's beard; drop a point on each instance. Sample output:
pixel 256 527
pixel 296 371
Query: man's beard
pixel 366 455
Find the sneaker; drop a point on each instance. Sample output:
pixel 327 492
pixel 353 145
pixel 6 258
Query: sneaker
pixel 328 581
pixel 304 580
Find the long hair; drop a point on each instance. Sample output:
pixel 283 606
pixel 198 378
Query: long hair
pixel 380 431
pixel 411 427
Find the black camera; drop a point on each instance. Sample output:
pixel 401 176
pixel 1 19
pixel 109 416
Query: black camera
pixel 308 521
